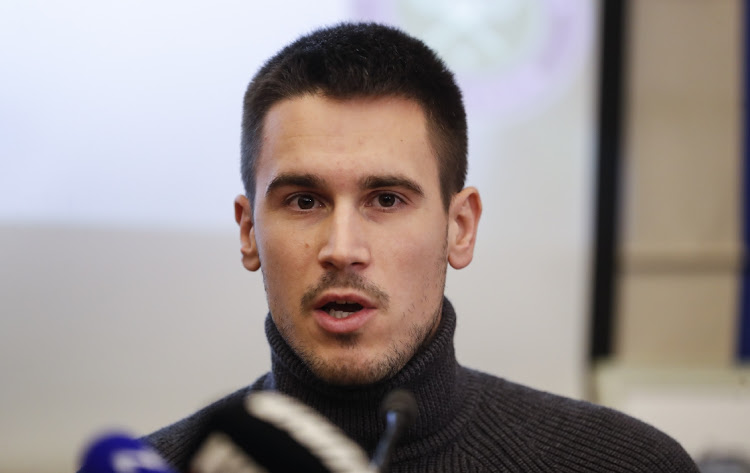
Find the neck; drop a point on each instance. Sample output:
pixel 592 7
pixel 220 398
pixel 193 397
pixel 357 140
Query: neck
pixel 430 375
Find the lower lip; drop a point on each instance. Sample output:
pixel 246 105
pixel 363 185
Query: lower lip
pixel 346 325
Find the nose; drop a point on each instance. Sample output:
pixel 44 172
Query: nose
pixel 345 244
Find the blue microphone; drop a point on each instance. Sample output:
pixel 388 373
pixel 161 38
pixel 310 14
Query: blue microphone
pixel 122 453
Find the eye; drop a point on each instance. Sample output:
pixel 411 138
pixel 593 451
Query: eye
pixel 387 200
pixel 303 201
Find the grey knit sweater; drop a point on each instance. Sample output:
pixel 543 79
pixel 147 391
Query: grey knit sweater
pixel 468 421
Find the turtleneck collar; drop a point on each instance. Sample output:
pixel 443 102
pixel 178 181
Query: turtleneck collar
pixel 430 375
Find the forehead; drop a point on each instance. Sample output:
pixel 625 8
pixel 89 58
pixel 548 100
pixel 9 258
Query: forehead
pixel 321 135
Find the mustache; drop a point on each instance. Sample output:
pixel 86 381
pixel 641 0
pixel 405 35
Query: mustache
pixel 341 280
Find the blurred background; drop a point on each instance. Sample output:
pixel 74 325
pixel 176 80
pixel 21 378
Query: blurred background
pixel 607 144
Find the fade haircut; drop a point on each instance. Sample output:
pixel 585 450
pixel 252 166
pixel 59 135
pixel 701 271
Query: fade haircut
pixel 361 60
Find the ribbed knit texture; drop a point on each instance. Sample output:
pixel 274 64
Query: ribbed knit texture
pixel 468 421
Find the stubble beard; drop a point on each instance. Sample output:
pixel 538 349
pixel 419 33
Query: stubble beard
pixel 352 368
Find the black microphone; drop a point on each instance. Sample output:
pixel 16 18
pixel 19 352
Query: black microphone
pixel 270 432
pixel 400 411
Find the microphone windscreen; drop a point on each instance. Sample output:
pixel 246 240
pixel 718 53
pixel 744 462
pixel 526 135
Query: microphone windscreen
pixel 121 453
pixel 271 432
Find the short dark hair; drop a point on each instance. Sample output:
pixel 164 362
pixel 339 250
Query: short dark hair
pixel 358 60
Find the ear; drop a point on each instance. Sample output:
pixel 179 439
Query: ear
pixel 243 215
pixel 463 219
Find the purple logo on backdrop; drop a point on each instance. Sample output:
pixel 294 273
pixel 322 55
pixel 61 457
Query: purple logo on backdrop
pixel 509 56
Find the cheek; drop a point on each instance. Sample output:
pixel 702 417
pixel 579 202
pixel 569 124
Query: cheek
pixel 426 240
pixel 419 252
pixel 282 256
pixel 277 242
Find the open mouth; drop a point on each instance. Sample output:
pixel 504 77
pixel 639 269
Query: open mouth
pixel 341 309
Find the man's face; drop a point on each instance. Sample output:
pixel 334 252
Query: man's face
pixel 350 232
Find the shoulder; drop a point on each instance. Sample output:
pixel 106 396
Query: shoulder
pixel 565 434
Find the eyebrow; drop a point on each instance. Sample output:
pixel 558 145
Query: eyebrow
pixel 376 182
pixel 310 181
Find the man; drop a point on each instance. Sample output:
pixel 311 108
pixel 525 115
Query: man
pixel 354 159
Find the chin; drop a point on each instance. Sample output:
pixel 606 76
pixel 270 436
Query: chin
pixel 342 377
pixel 350 372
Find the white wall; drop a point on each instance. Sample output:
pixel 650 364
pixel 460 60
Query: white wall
pixel 122 300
